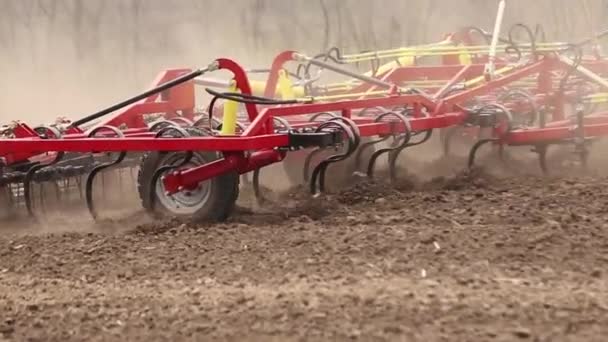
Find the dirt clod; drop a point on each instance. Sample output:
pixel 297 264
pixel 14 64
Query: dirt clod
pixel 469 257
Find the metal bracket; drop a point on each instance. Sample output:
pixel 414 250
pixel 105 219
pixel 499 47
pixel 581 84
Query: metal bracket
pixel 306 139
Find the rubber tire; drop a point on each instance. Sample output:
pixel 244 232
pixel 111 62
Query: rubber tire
pixel 221 201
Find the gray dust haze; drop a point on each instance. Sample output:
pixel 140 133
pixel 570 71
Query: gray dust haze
pixel 70 57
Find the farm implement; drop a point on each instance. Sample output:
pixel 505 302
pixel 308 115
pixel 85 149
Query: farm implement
pixel 193 162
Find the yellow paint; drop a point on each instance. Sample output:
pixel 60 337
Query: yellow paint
pixel 231 109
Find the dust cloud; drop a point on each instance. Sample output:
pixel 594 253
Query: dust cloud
pixel 70 58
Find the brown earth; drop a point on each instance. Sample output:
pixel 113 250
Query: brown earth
pixel 466 258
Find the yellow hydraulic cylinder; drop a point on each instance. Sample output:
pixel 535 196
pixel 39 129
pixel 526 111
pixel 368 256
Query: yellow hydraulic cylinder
pixel 231 109
pixel 258 88
pixel 285 87
pixel 464 58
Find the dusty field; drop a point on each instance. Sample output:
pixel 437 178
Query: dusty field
pixel 471 258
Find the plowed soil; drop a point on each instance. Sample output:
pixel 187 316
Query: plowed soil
pixel 464 258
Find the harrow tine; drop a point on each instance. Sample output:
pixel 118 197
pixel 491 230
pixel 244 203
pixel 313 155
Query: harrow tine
pixel 256 187
pixel 405 139
pixel 580 142
pixel 316 151
pixel 354 138
pixel 475 148
pixel 280 124
pixel 43 132
pixel 99 168
pixel 6 203
pixel 365 146
pixel 29 178
pixel 308 161
pixel 394 154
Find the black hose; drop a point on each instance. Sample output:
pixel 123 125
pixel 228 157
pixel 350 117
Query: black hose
pixel 325 56
pixel 242 98
pixel 159 89
pixel 246 98
pixel 487 36
pixel 513 46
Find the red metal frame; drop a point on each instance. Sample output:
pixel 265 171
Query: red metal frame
pixel 260 137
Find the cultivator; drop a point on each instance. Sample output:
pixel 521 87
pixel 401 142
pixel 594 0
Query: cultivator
pixel 191 162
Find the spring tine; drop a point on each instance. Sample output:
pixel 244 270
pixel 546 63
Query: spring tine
pixel 373 158
pixel 43 131
pixel 103 185
pixel 475 148
pixel 322 172
pixel 318 173
pixel 99 168
pixel 580 141
pixel 364 146
pixel 57 191
pixel 450 132
pixel 256 186
pixel 41 197
pixel 29 178
pixel 79 185
pixel 91 178
pixel 308 160
pixel 120 180
pixel 542 158
pixel 405 138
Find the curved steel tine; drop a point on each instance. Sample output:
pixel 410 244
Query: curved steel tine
pixel 475 148
pixel 29 175
pixel 308 160
pixel 318 173
pixel 364 146
pixel 256 187
pixel 354 128
pixel 406 136
pixel 97 169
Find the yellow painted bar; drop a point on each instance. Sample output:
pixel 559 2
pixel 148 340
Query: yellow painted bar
pixel 285 87
pixel 231 109
pixel 443 50
pixel 342 96
pixel 258 88
pixel 597 98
